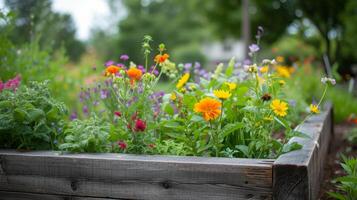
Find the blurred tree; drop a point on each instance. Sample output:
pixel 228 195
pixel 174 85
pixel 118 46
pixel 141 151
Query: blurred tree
pixel 173 22
pixel 35 19
pixel 226 16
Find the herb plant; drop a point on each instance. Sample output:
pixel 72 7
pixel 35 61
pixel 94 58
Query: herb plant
pixel 347 185
pixel 30 118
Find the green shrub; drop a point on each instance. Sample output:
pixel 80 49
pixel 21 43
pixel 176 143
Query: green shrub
pixel 347 185
pixel 305 84
pixel 89 135
pixel 30 118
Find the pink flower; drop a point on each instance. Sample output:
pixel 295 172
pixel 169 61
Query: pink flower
pixel 140 125
pixel 117 113
pixel 122 145
pixel 11 84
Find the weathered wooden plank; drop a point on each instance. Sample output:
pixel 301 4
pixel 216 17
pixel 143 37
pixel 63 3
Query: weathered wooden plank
pixel 136 177
pixel 298 174
pixel 6 195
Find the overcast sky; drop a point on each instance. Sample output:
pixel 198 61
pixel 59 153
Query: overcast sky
pixel 86 14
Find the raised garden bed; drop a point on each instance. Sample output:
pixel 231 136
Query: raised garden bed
pixel 50 175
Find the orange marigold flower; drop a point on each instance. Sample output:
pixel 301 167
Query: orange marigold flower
pixel 209 107
pixel 134 74
pixel 111 70
pixel 161 58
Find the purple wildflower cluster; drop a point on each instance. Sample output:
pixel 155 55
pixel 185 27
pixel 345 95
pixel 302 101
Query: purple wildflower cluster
pixel 11 84
pixel 157 101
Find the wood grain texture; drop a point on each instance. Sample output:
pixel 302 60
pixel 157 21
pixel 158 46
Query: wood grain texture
pixel 135 177
pixel 298 174
pixel 5 195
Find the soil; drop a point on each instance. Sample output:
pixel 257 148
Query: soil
pixel 339 145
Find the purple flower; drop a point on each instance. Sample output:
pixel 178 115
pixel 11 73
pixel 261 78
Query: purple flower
pixel 124 57
pixel 154 71
pixel 85 110
pixel 187 67
pixel 73 116
pixel 121 65
pixel 109 62
pixel 104 94
pixel 197 65
pixel 253 48
pixel 247 62
pixel 141 68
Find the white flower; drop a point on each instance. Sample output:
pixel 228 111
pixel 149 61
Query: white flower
pixel 326 80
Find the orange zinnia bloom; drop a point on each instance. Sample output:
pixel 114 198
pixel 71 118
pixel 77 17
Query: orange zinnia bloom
pixel 209 107
pixel 111 70
pixel 161 58
pixel 134 74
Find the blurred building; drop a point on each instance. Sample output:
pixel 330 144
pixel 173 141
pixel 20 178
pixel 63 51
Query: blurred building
pixel 217 52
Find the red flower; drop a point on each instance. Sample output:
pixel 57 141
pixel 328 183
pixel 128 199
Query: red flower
pixel 122 145
pixel 117 113
pixel 140 125
pixel 151 146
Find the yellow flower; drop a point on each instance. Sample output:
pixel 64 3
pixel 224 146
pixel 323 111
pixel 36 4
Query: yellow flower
pixel 282 82
pixel 314 109
pixel 264 69
pixel 183 80
pixel 279 107
pixel 231 86
pixel 280 59
pixel 173 96
pixel 222 94
pixel 283 71
pixel 210 108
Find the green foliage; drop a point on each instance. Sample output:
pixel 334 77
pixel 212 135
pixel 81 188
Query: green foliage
pixel 352 136
pixel 89 135
pixel 36 19
pixel 347 185
pixel 304 85
pixel 175 22
pixel 30 118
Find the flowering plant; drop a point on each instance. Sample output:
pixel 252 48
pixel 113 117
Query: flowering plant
pixel 236 111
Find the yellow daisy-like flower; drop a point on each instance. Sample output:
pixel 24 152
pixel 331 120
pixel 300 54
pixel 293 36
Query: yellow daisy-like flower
pixel 173 96
pixel 280 59
pixel 283 71
pixel 264 69
pixel 222 94
pixel 231 86
pixel 314 109
pixel 279 107
pixel 183 80
pixel 209 108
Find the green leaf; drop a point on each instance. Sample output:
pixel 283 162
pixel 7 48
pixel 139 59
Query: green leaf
pixel 244 149
pixel 283 123
pixel 300 134
pixel 20 115
pixel 169 109
pixel 352 179
pixel 291 147
pixel 36 114
pixel 337 195
pixel 189 101
pixel 230 68
pixel 229 128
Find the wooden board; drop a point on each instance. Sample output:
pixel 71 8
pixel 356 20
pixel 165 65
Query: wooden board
pixel 135 177
pixel 298 174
